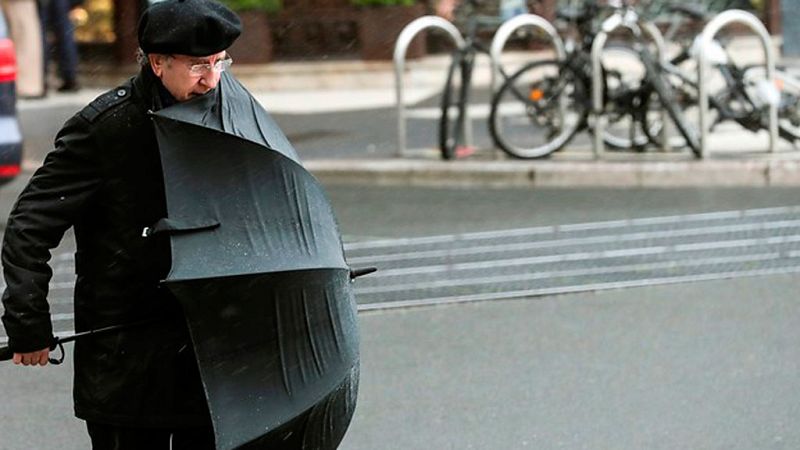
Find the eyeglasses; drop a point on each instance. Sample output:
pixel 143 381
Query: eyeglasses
pixel 219 66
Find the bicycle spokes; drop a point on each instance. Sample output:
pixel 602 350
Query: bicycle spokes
pixel 537 110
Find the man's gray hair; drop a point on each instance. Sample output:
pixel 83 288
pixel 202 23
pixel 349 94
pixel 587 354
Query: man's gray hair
pixel 141 57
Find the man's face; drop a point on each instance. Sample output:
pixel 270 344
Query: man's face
pixel 185 76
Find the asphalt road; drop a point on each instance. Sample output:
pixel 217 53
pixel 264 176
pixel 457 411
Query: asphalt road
pixel 705 366
pixel 699 365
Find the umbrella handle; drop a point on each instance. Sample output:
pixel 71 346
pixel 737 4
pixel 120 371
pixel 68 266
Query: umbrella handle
pixel 355 273
pixel 6 353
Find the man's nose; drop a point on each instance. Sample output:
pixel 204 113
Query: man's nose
pixel 210 79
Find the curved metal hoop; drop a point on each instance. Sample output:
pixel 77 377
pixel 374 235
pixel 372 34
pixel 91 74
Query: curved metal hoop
pixel 709 32
pixel 401 47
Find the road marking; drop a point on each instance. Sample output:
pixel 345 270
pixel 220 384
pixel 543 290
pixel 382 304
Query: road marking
pixel 580 256
pixel 607 238
pixel 611 224
pixel 509 295
pixel 640 267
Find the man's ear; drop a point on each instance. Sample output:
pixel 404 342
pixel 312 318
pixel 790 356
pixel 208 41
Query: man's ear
pixel 157 63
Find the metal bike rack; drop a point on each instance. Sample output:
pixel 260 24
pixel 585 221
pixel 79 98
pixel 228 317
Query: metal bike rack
pixel 504 33
pixel 401 47
pixel 711 29
pixel 620 19
pixel 509 27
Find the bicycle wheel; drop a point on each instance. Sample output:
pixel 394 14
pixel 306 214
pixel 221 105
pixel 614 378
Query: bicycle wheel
pixel 624 76
pixel 789 106
pixel 669 101
pixel 455 99
pixel 538 110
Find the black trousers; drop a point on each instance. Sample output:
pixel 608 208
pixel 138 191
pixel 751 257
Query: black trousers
pixel 112 437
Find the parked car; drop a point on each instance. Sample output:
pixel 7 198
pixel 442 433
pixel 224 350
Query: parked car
pixel 10 135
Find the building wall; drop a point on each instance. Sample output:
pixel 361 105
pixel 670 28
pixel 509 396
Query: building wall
pixel 311 29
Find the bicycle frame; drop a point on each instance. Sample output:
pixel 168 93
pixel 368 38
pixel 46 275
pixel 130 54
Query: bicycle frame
pixel 623 17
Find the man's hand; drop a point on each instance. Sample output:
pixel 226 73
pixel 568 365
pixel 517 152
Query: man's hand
pixel 32 358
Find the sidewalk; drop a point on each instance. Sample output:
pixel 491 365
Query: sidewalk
pixel 339 86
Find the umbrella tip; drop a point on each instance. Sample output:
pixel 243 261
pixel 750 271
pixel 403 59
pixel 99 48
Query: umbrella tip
pixel 355 273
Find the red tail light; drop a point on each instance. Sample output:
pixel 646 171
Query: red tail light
pixel 9 171
pixel 8 61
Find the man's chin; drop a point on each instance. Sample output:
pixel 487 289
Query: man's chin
pixel 192 95
pixel 198 94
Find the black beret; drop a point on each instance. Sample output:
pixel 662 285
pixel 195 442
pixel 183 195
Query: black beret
pixel 188 27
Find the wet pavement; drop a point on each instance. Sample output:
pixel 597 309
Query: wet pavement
pixel 702 364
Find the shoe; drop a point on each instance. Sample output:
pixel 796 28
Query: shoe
pixel 464 151
pixel 69 86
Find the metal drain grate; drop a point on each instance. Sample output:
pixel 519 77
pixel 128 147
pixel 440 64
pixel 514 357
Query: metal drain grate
pixel 574 258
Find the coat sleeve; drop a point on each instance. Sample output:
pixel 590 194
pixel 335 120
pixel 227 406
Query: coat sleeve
pixel 46 208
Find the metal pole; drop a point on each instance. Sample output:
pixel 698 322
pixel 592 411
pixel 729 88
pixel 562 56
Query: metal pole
pixel 655 34
pixel 709 32
pixel 509 27
pixel 609 25
pixel 400 49
pixel 504 33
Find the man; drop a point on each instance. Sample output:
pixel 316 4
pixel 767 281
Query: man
pixel 138 389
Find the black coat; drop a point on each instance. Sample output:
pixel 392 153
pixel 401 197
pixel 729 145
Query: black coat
pixel 104 178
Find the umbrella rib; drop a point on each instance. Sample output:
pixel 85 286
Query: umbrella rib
pixel 336 334
pixel 298 202
pixel 314 351
pixel 270 271
pixel 286 380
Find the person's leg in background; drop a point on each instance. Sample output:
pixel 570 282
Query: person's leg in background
pixel 23 21
pixel 55 18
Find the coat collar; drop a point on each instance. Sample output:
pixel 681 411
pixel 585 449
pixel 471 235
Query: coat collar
pixel 153 93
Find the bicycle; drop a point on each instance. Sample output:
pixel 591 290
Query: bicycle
pixel 744 97
pixel 553 97
pixel 541 107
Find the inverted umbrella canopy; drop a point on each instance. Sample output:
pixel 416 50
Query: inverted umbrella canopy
pixel 258 265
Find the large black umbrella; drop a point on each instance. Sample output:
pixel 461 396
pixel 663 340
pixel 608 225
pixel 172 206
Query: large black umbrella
pixel 258 265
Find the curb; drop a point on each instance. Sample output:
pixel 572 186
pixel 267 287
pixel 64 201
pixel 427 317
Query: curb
pixel 767 172
pixel 560 174
pixel 544 174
